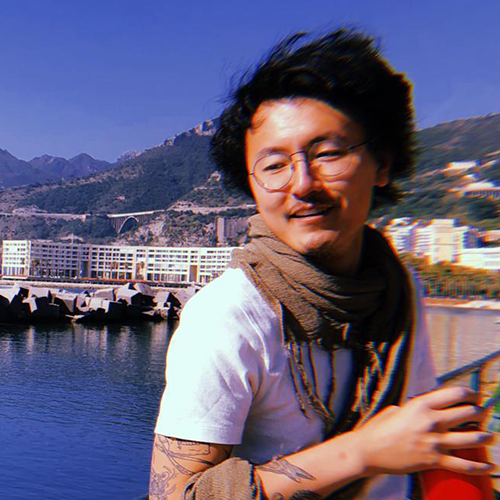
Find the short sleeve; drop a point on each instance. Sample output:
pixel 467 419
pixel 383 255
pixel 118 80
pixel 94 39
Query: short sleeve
pixel 213 369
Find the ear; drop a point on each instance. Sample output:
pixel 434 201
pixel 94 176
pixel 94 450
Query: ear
pixel 382 175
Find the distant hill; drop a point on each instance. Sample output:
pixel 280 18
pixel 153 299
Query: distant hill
pixel 81 165
pixel 179 176
pixel 43 169
pixel 427 193
pixel 459 140
pixel 152 180
pixel 15 172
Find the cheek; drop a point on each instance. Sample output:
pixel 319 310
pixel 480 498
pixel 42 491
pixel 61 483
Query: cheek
pixel 266 201
pixel 353 193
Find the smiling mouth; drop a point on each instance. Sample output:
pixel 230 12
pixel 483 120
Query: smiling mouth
pixel 313 212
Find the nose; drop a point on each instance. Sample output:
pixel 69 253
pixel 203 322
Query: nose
pixel 303 182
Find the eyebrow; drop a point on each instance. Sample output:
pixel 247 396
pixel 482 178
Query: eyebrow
pixel 327 137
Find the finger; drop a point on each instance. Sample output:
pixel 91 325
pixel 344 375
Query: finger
pixel 461 440
pixel 453 417
pixel 463 466
pixel 443 398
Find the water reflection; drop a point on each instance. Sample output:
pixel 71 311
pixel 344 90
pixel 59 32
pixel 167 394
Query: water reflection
pixel 77 409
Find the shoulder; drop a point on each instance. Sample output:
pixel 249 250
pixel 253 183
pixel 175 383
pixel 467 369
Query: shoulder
pixel 228 312
pixel 231 297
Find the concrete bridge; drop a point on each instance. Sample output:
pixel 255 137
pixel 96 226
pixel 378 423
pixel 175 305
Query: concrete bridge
pixel 118 221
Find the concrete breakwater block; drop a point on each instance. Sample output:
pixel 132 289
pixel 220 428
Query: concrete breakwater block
pixel 67 302
pixel 131 302
pixel 40 292
pixel 11 301
pixel 10 294
pixel 131 297
pixel 144 289
pixel 165 297
pixel 105 293
pixel 40 307
pixel 183 295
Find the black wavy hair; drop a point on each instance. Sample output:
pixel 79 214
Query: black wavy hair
pixel 343 68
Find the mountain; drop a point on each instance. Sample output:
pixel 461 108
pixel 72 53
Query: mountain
pixel 57 168
pixel 459 140
pixel 153 180
pixel 15 172
pixel 42 169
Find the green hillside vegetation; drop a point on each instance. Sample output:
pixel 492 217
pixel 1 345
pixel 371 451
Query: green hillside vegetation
pixel 214 193
pixel 151 181
pixel 186 228
pixel 426 193
pixel 449 280
pixel 459 140
pixel 95 229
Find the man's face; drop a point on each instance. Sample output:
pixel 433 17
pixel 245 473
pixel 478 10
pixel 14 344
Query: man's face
pixel 316 217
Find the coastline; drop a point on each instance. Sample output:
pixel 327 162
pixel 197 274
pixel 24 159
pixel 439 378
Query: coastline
pixel 491 304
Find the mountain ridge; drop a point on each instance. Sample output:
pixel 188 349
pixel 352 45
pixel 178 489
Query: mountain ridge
pixel 45 168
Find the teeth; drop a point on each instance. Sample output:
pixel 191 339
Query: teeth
pixel 312 211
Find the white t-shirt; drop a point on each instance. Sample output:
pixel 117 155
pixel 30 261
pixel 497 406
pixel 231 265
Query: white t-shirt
pixel 228 379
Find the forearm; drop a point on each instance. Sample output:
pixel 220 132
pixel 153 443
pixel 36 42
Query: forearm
pixel 318 470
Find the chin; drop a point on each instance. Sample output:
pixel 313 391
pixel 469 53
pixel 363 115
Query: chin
pixel 317 246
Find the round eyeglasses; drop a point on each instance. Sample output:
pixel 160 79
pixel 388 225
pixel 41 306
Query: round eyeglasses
pixel 325 159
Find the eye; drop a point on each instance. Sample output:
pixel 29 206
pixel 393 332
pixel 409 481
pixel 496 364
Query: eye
pixel 273 167
pixel 273 164
pixel 329 154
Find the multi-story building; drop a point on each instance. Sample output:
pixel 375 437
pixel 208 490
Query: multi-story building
pixel 401 233
pixel 48 259
pixel 229 228
pixel 481 258
pixel 442 240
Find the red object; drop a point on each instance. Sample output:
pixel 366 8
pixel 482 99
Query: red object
pixel 440 484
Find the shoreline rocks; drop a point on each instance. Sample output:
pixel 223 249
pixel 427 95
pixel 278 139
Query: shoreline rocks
pixel 122 304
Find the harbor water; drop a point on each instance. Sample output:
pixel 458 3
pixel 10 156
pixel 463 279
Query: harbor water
pixel 78 403
pixel 77 410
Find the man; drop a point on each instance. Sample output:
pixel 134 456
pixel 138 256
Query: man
pixel 297 362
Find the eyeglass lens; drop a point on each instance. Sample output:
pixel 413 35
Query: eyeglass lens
pixel 325 160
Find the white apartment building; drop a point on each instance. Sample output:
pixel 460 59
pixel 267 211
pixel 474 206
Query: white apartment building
pixel 481 258
pixel 401 233
pixel 48 259
pixel 442 241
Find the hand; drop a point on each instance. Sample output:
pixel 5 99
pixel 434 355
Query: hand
pixel 418 435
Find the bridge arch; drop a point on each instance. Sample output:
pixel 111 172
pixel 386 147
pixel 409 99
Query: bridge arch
pixel 131 221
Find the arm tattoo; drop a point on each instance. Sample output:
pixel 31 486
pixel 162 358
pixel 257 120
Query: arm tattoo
pixel 159 484
pixel 175 450
pixel 282 466
pixel 179 449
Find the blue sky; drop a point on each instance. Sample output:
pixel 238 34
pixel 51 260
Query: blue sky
pixel 107 76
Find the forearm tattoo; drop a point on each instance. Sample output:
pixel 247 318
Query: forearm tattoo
pixel 175 450
pixel 282 466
